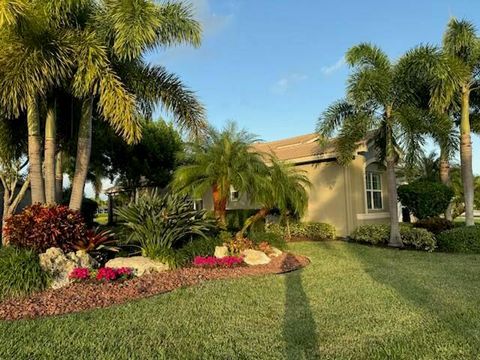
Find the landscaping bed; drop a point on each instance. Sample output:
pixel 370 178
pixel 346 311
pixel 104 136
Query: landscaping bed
pixel 84 295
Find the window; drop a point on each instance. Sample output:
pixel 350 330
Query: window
pixel 374 191
pixel 198 204
pixel 234 194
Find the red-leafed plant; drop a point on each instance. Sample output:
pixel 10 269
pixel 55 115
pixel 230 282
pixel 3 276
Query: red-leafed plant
pixel 96 239
pixel 212 261
pixel 39 227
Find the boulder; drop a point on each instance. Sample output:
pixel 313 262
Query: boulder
pixel 255 257
pixel 274 252
pixel 220 251
pixel 60 265
pixel 140 264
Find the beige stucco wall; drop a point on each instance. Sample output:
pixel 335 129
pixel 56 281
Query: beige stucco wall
pixel 337 195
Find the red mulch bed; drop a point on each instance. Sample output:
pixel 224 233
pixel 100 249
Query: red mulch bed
pixel 85 296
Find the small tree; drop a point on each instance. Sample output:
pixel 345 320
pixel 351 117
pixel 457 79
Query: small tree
pixel 425 199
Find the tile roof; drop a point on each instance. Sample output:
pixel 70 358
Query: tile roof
pixel 294 148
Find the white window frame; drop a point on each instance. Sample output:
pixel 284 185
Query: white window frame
pixel 234 194
pixel 198 202
pixel 369 191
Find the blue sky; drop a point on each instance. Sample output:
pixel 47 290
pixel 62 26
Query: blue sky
pixel 274 65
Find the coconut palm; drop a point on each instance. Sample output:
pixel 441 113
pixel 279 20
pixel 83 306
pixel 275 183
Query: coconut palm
pixel 378 108
pixel 224 160
pixel 284 188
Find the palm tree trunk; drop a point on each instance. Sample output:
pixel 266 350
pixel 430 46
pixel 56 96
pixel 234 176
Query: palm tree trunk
pixel 10 204
pixel 466 157
pixel 50 150
pixel 261 214
pixel 59 176
pixel 445 179
pixel 219 206
pixel 35 152
pixel 395 237
pixel 84 148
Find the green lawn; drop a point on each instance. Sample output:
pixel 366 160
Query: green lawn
pixel 352 302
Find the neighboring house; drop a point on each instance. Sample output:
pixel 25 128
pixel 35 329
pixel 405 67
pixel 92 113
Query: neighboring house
pixel 344 196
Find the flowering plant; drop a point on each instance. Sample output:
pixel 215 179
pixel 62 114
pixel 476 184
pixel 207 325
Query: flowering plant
pixel 212 261
pixel 103 274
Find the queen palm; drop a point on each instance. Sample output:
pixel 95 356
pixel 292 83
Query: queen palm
pixel 284 188
pixel 224 160
pixel 377 108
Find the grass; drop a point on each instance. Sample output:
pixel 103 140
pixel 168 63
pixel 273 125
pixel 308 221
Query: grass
pixel 461 220
pixel 352 302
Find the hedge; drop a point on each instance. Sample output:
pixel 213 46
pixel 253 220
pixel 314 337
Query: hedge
pixel 308 230
pixel 465 239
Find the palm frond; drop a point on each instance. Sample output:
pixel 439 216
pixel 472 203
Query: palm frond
pixel 460 39
pixel 10 10
pixel 367 55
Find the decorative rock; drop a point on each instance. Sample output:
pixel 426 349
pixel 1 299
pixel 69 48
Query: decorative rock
pixel 274 252
pixel 140 264
pixel 220 251
pixel 255 257
pixel 59 265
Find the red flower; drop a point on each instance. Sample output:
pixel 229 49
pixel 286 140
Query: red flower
pixel 80 274
pixel 211 261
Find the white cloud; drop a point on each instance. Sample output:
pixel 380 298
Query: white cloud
pixel 328 70
pixel 286 82
pixel 211 22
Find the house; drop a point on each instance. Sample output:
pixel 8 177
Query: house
pixel 344 196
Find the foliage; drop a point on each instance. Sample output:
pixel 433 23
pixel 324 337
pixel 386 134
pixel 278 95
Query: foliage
pixel 95 240
pixel 39 227
pixel 212 261
pixel 79 273
pixel 113 274
pixel 224 159
pixel 196 247
pixel 271 238
pixel 238 245
pixel 379 234
pixel 237 217
pixel 464 239
pixel 435 225
pixel 458 201
pixel 304 230
pixel 20 272
pixel 150 162
pixel 160 224
pixel 88 211
pixel 425 198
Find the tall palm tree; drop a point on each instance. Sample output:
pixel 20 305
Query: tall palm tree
pixel 461 44
pixel 119 83
pixel 376 101
pixel 225 159
pixel 284 188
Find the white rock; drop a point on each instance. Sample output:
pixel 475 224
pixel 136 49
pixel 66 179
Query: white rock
pixel 255 257
pixel 59 265
pixel 140 264
pixel 220 251
pixel 275 252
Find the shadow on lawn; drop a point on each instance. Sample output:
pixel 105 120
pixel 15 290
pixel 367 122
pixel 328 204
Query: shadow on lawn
pixel 299 329
pixel 422 283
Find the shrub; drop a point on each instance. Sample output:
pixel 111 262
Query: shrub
pixel 196 247
pixel 20 272
pixel 88 211
pixel 376 234
pixel 425 198
pixel 236 219
pixel 310 231
pixel 271 238
pixel 103 274
pixel 211 261
pixel 236 246
pixel 39 227
pixel 162 224
pixel 80 274
pixel 465 239
pixel 96 240
pixel 435 225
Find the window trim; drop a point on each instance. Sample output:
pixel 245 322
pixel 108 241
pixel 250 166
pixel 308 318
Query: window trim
pixel 232 192
pixel 370 191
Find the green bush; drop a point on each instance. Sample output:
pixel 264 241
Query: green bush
pixel 236 219
pixel 20 272
pixel 435 225
pixel 304 231
pixel 197 247
pixel 465 239
pixel 88 211
pixel 273 239
pixel 159 225
pixel 379 234
pixel 425 198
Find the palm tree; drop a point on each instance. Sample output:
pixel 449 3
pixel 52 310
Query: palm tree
pixel 283 188
pixel 461 44
pixel 224 160
pixel 117 80
pixel 376 101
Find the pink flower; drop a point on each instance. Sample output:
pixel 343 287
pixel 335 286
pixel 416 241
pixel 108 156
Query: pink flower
pixel 80 274
pixel 111 274
pixel 211 261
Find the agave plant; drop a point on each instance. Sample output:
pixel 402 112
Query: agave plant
pixel 160 224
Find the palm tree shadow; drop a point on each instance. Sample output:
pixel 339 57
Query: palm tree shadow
pixel 299 328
